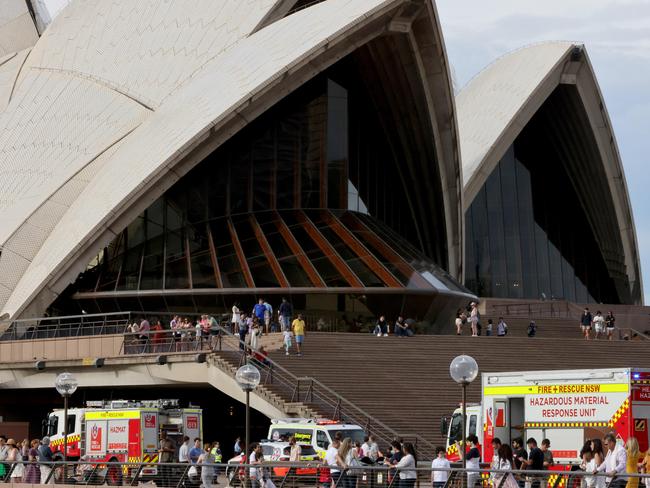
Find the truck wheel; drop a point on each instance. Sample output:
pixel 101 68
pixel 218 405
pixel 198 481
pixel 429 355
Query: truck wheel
pixel 114 474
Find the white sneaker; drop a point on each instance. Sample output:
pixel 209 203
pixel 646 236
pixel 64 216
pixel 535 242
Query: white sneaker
pixel 385 335
pixel 379 334
pixel 286 353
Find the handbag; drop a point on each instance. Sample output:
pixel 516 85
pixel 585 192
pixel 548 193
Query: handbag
pixel 192 472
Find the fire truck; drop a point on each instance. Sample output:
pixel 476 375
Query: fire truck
pixel 122 431
pixel 567 407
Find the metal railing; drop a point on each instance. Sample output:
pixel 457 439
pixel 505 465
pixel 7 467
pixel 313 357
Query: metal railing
pixel 536 310
pixel 271 473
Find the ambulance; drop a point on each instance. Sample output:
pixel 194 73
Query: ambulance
pixel 567 407
pixel 318 433
pixel 121 431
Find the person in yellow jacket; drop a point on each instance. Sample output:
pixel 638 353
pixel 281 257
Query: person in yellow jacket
pixel 215 452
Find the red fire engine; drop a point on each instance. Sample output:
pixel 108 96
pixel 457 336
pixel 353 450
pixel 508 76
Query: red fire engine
pixel 122 431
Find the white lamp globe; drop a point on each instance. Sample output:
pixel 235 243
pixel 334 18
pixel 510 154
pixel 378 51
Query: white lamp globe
pixel 463 369
pixel 66 384
pixel 247 377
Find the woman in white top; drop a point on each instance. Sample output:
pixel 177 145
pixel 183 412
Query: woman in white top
pixel 406 467
pixel 256 458
pixel 599 324
pixel 346 458
pixel 504 463
pixel 236 313
pixel 459 322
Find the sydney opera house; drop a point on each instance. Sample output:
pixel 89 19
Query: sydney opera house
pixel 186 155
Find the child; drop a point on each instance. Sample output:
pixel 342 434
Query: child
pixel 439 478
pixel 287 341
pixel 488 329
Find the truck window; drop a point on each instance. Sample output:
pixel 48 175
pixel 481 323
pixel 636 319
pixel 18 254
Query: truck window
pixel 52 425
pixel 71 423
pixel 455 430
pixel 321 439
pixel 472 425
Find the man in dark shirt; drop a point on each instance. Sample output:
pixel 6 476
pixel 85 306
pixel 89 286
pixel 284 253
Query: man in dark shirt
pixel 535 460
pixel 520 457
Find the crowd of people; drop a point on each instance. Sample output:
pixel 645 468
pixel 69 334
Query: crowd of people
pixel 601 326
pixel 27 461
pixel 183 334
pixel 472 317
pixel 604 463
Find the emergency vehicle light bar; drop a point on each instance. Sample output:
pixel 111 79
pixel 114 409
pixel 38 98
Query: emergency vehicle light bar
pixel 293 420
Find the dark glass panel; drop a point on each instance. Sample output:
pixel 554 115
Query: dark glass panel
pixel 259 266
pixel 229 267
pixel 130 269
pixel 337 145
pixel 240 181
pixel 176 272
pixel 313 148
pixel 510 202
pixel 152 264
pixel 288 163
pixel 527 232
pixel 203 275
pixel 496 234
pixel 263 160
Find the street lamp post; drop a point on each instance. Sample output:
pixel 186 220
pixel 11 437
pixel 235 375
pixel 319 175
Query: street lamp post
pixel 66 385
pixel 463 370
pixel 248 378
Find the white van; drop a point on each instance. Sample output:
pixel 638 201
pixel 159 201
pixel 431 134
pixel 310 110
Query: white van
pixel 319 433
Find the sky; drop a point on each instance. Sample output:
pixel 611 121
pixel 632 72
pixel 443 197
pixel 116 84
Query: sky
pixel 616 34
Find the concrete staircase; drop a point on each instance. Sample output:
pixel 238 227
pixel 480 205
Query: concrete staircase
pixel 404 383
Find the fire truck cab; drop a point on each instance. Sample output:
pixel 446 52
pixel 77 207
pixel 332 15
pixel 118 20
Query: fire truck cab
pixel 121 430
pixel 567 407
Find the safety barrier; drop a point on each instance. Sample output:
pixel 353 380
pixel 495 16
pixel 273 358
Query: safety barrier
pixel 270 473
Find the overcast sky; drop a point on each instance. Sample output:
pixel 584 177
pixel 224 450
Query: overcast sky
pixel 617 36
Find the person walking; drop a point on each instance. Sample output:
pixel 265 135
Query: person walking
pixel 585 323
pixel 506 463
pixel 598 455
pixel 285 311
pixel 45 458
pixel 610 325
pixel 502 328
pixel 255 333
pixel 330 462
pixel 287 334
pixel 599 325
pixel 406 467
pixel 460 320
pixel 473 460
pixel 614 464
pixel 259 310
pixel 298 327
pixel 206 462
pixel 548 459
pixel 184 451
pixel 166 451
pixel 631 466
pixel 243 330
pixel 32 474
pixel 440 463
pixel 535 461
pixel 235 318
pixel 474 318
pixel 4 450
pixel 268 315
pixel 15 457
pixel 237 447
pixel 488 328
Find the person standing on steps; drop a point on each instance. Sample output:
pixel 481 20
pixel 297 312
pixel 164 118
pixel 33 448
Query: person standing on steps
pixel 298 327
pixel 285 311
pixel 585 323
pixel 610 324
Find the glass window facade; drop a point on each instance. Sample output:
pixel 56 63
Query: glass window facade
pixel 528 235
pixel 316 193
